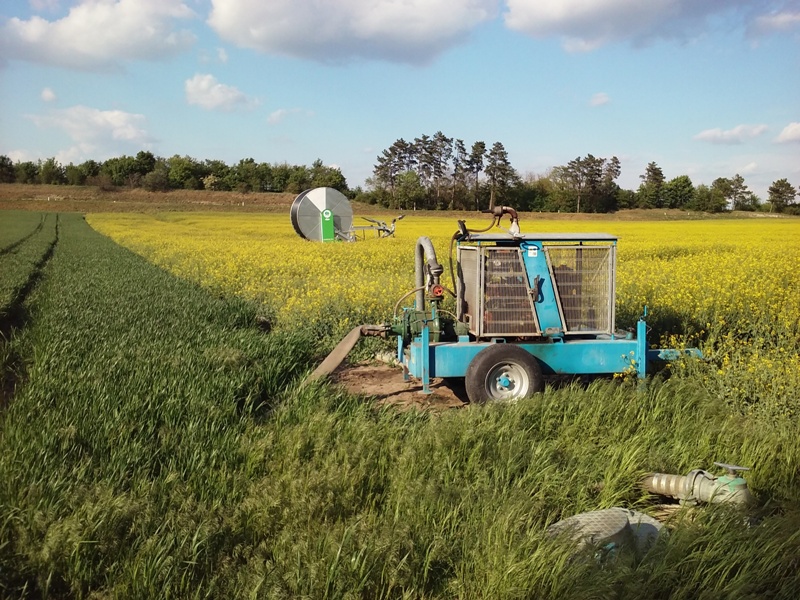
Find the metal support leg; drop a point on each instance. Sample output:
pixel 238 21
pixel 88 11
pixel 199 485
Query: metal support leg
pixel 641 349
pixel 425 359
pixel 401 358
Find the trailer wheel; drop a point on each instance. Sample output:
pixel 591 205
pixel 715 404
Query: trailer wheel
pixel 503 372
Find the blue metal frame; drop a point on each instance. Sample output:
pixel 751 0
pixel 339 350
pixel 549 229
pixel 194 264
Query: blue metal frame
pixel 594 356
pixel 545 296
pixel 573 356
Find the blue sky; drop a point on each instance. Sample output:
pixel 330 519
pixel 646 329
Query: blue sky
pixel 704 88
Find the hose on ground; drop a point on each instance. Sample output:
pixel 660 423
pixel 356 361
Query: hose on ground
pixel 342 349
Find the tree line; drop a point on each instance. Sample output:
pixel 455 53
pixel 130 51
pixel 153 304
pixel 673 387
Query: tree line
pixel 430 172
pixel 438 172
pixel 179 172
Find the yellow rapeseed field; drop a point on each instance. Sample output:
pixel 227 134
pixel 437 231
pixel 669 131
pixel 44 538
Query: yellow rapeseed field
pixel 731 285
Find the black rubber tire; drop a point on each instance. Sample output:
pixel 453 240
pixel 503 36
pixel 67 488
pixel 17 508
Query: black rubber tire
pixel 503 372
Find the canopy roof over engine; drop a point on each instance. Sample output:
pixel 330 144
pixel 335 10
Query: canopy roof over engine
pixel 540 237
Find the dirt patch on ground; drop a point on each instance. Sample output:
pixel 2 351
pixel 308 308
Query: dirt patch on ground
pixel 384 384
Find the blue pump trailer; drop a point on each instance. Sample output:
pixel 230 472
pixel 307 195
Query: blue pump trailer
pixel 526 306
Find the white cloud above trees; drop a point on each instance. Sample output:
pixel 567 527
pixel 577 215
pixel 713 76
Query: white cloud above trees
pixel 789 134
pixel 105 34
pixel 86 124
pixel 736 135
pixel 749 168
pixel 776 22
pixel 413 31
pixel 44 5
pixel 416 31
pixel 281 114
pixel 585 25
pixel 95 133
pixel 99 34
pixel 205 91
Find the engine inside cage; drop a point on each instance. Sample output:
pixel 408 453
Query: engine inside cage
pixel 497 293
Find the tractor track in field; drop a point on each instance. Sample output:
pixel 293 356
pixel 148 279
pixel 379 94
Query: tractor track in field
pixel 23 239
pixel 16 317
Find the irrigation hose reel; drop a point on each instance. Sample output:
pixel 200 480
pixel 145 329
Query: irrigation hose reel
pixel 324 214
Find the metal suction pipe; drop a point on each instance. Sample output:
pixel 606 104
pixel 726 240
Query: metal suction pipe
pixel 425 249
pixel 699 486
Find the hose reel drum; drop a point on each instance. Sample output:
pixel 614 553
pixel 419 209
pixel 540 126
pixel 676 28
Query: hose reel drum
pixel 324 214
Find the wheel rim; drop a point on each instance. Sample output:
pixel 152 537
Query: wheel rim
pixel 507 381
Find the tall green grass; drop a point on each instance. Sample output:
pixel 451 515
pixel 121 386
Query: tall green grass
pixel 26 243
pixel 139 387
pixel 16 226
pixel 161 447
pixel 25 239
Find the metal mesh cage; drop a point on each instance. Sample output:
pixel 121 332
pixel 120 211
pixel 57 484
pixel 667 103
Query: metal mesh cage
pixel 508 307
pixel 494 293
pixel 583 278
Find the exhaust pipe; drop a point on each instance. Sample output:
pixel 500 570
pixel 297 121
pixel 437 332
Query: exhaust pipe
pixel 701 486
pixel 425 249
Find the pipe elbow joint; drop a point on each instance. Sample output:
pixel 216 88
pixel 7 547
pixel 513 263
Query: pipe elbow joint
pixel 425 250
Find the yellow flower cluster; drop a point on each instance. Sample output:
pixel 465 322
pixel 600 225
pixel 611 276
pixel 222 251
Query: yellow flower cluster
pixel 737 273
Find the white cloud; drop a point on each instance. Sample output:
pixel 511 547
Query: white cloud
pixel 412 31
pixel 19 155
pixel 44 5
pixel 218 56
pixel 737 135
pixel 279 115
pixel 96 133
pixel 790 133
pixel 83 123
pixel 99 34
pixel 48 95
pixel 778 22
pixel 585 25
pixel 599 99
pixel 206 92
pixel 749 168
